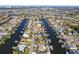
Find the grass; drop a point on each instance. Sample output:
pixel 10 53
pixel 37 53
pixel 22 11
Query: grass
pixel 26 50
pixel 3 39
pixel 28 42
pixel 74 36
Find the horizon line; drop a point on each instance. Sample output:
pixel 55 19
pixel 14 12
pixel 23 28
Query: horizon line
pixel 39 5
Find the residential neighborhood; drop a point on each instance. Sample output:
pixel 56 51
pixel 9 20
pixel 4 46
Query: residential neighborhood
pixel 39 30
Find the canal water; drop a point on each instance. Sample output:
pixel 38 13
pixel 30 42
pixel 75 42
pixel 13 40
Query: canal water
pixel 54 42
pixel 7 47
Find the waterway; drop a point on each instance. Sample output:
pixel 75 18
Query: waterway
pixel 7 47
pixel 54 42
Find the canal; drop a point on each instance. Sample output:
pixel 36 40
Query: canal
pixel 54 42
pixel 7 47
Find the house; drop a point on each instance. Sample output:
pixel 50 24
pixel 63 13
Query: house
pixel 41 47
pixel 71 47
pixel 25 35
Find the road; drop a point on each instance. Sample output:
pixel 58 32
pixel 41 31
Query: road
pixel 33 40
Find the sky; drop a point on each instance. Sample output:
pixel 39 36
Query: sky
pixel 40 2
